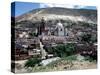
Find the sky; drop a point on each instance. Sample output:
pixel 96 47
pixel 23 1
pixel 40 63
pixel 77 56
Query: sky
pixel 23 7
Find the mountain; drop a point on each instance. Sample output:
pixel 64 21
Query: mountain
pixel 84 15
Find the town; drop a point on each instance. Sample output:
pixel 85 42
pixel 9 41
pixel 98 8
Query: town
pixel 27 40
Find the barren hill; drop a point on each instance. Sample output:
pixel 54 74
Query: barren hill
pixel 53 13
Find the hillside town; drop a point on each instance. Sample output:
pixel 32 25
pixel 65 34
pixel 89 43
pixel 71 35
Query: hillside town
pixel 29 40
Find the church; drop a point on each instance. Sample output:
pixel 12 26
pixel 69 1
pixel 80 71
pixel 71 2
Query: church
pixel 58 30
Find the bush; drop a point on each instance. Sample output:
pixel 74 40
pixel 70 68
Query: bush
pixel 91 59
pixel 89 38
pixel 32 62
pixel 72 57
pixel 93 39
pixel 62 50
pixel 86 38
pixel 70 49
pixel 89 51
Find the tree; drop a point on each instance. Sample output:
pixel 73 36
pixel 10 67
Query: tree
pixel 86 38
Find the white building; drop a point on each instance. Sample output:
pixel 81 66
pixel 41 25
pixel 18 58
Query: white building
pixel 59 29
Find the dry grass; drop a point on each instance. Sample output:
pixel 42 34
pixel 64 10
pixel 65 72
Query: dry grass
pixel 66 64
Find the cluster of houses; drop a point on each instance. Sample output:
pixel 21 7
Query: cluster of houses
pixel 28 40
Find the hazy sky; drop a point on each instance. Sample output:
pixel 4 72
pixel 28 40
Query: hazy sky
pixel 23 7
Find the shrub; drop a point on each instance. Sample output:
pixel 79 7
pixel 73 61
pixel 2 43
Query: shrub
pixel 32 62
pixel 93 39
pixel 89 51
pixel 72 57
pixel 62 50
pixel 89 58
pixel 70 49
pixel 89 38
pixel 86 38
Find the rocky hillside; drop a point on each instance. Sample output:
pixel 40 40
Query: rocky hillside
pixel 55 13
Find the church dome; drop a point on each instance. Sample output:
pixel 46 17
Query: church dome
pixel 59 25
